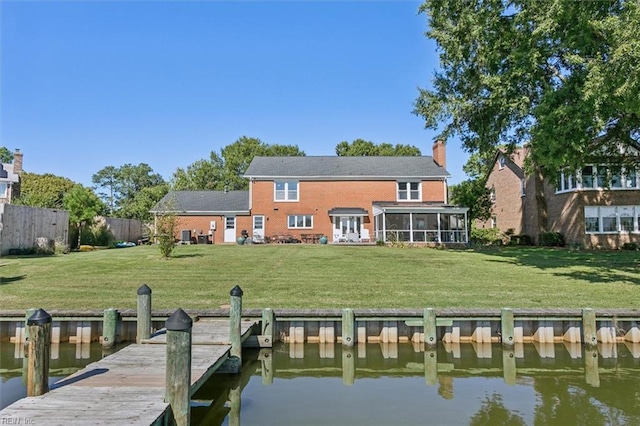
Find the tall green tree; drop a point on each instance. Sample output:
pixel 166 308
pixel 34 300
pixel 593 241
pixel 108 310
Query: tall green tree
pixel 361 147
pixel 108 180
pixel 6 156
pixel 142 202
pixel 472 193
pixel 560 74
pixel 83 205
pixel 226 170
pixel 122 185
pixel 45 191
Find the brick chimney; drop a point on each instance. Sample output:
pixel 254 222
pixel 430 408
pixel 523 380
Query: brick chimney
pixel 439 153
pixel 17 162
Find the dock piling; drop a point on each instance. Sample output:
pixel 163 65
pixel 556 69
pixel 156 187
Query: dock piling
pixel 430 330
pixel 348 327
pixel 507 328
pixel 144 313
pixel 589 327
pixel 39 325
pixel 178 375
pixel 235 319
pixel 109 327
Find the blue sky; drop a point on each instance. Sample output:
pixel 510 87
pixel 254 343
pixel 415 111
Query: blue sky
pixel 89 84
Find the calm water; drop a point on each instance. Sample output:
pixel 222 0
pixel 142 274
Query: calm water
pixel 457 385
pixel 378 384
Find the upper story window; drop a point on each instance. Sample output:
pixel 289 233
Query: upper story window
pixel 409 191
pixel 598 177
pixel 492 194
pixel 286 190
pixel 502 161
pixel 4 190
pixel 522 187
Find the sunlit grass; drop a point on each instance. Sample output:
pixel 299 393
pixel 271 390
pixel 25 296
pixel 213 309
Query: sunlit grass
pixel 317 276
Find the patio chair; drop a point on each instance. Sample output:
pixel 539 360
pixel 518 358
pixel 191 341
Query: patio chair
pixel 365 238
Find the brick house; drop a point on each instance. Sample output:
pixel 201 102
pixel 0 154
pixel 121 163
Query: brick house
pixel 596 206
pixel 346 199
pixel 10 178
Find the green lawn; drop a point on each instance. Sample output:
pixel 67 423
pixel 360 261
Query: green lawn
pixel 324 276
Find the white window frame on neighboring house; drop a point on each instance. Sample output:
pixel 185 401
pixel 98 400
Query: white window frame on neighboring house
pixel 300 221
pixel 4 190
pixel 409 190
pixel 286 190
pixel 598 177
pixel 502 160
pixel 611 219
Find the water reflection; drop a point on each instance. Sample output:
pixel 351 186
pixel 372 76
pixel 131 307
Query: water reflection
pixel 452 384
pixel 66 359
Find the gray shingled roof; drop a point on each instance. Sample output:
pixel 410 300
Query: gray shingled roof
pixel 345 167
pixel 204 202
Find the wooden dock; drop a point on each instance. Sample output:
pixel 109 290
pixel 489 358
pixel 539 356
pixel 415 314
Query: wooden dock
pixel 127 387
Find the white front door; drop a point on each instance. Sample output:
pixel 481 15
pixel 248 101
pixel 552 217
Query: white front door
pixel 258 227
pixel 230 229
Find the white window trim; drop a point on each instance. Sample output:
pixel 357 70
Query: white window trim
pixel 576 181
pixel 286 191
pixel 502 160
pixel 409 191
pixel 310 216
pixel 635 215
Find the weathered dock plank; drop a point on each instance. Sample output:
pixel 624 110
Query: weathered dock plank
pixel 127 387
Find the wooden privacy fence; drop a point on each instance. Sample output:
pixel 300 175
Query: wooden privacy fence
pixel 125 229
pixel 21 225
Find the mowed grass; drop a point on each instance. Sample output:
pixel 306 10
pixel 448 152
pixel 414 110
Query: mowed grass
pixel 317 276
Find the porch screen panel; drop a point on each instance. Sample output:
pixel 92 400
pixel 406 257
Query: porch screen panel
pixel 398 226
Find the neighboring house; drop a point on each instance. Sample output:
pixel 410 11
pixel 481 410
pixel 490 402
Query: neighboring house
pixel 596 206
pixel 346 199
pixel 10 178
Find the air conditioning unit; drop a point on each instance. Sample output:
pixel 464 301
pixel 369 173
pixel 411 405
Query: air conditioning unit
pixel 212 225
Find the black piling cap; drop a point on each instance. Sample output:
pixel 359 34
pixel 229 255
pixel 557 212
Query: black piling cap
pixel 39 317
pixel 179 321
pixel 236 291
pixel 144 289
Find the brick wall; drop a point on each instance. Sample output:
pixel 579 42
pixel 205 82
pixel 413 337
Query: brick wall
pixel 509 204
pixel 318 197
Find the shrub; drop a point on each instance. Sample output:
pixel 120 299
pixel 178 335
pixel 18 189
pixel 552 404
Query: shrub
pixel 551 239
pixel 522 240
pixel 486 236
pixel 629 246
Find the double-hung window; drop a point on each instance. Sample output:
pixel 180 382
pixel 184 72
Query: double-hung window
pixel 408 191
pixel 286 190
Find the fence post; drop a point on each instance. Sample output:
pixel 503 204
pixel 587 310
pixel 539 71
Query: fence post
pixel 348 327
pixel 109 327
pixel 178 373
pixel 430 327
pixel 235 325
pixel 39 325
pixel 144 313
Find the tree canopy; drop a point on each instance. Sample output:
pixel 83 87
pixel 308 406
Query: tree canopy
pixel 6 156
pixel 126 189
pixel 561 75
pixel 361 147
pixel 226 170
pixel 83 205
pixel 44 191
